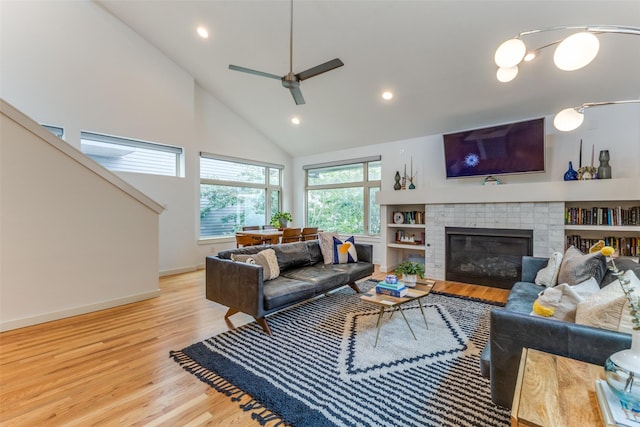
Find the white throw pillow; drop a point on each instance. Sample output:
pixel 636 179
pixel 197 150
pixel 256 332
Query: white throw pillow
pixel 326 245
pixel 609 308
pixel 548 276
pixel 564 299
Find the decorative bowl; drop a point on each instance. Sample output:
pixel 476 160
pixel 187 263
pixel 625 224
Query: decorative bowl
pixel 391 279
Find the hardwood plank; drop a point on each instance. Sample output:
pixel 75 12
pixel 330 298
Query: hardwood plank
pixel 112 367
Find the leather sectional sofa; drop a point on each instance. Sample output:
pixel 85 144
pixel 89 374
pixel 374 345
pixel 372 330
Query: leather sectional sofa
pixel 303 275
pixel 513 328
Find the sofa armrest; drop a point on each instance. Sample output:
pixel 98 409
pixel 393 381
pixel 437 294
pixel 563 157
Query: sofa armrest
pixel 235 284
pixel 511 332
pixel 530 267
pixel 365 252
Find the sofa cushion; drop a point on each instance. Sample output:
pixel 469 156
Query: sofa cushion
pixel 522 296
pixel 323 277
pixel 266 258
pixel 284 291
pixel 344 252
pixel 577 267
pixel 355 271
pixel 292 255
pixel 548 276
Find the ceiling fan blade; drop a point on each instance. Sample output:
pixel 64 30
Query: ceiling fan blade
pixel 257 73
pixel 319 69
pixel 297 95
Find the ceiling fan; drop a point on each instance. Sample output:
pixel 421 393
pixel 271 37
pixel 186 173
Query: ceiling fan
pixel 290 80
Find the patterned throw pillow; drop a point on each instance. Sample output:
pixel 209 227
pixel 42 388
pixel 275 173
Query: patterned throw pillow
pixel 344 252
pixel 326 245
pixel 548 276
pixel 576 267
pixel 267 259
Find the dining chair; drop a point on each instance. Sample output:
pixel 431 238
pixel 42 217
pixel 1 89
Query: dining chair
pixel 290 235
pixel 250 227
pixel 309 233
pixel 268 227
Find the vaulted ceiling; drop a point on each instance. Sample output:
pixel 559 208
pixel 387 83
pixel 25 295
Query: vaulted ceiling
pixel 435 56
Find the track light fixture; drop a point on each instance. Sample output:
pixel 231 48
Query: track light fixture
pixel 571 118
pixel 572 53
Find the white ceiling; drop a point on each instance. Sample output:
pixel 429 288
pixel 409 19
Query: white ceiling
pixel 436 56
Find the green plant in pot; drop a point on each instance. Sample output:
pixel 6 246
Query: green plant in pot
pixel 410 271
pixel 280 219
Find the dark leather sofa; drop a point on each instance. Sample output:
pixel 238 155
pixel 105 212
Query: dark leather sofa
pixel 513 328
pixel 303 275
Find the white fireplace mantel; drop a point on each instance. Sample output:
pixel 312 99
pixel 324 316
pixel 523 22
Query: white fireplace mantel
pixel 555 191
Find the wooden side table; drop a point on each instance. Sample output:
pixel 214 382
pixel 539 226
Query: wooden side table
pixel 555 391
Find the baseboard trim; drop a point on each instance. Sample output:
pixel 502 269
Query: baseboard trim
pixel 57 315
pixel 181 270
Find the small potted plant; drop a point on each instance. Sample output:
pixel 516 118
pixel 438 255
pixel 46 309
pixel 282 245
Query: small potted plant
pixel 410 271
pixel 280 219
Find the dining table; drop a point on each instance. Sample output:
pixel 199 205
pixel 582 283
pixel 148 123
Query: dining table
pixel 270 234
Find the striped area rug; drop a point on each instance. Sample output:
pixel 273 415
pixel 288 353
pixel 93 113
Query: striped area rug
pixel 320 367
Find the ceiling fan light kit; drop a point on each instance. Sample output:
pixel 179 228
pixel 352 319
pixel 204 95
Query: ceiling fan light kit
pixel 291 80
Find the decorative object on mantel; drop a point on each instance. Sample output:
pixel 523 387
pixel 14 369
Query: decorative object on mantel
pixel 570 174
pixel 604 170
pixel 411 177
pixel 622 369
pixel 587 172
pixel 397 185
pixel 491 181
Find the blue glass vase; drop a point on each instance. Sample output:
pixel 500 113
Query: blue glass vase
pixel 570 174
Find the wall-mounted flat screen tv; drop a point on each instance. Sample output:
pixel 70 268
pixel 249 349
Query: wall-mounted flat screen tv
pixel 497 150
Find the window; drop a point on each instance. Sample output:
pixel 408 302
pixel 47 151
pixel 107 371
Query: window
pixel 129 155
pixel 57 131
pixel 235 193
pixel 341 195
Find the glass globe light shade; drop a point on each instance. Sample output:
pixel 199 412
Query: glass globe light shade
pixel 576 51
pixel 507 74
pixel 568 119
pixel 510 53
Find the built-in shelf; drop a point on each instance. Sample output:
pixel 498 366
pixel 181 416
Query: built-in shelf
pixel 608 228
pixel 394 225
pixel 406 246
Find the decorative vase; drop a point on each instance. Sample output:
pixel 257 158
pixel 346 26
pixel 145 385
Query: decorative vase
pixel 622 371
pixel 570 174
pixel 604 170
pixel 397 185
pixel 410 280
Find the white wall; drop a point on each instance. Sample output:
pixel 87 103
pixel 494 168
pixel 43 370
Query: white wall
pixel 71 64
pixel 616 128
pixel 72 241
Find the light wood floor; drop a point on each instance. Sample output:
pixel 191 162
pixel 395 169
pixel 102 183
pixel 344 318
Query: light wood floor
pixel 112 367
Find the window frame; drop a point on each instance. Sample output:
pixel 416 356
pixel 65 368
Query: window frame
pixel 267 185
pixel 136 143
pixel 365 184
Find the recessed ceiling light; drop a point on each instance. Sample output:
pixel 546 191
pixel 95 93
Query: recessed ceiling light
pixel 387 95
pixel 295 120
pixel 202 32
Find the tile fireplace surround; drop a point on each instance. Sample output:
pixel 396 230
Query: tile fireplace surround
pixel 546 219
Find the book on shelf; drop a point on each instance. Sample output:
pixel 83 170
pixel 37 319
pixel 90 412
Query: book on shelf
pixel 602 216
pixel 393 286
pixel 392 292
pixel 613 414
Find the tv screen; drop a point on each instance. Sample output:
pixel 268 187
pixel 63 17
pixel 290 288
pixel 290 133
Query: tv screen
pixel 497 150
